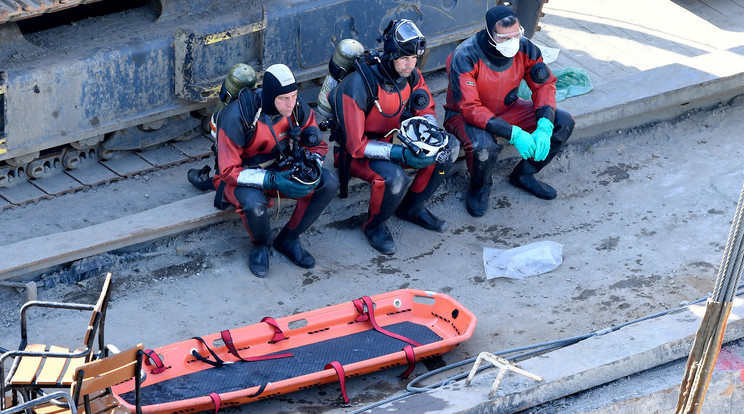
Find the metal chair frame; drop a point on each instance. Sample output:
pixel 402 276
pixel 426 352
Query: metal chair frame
pixel 33 388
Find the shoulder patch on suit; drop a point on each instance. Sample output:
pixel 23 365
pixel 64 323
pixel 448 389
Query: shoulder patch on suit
pixel 540 73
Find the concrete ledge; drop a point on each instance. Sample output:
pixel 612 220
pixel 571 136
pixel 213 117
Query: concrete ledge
pixel 603 359
pixel 664 93
pixel 724 394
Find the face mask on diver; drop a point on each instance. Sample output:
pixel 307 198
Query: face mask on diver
pixel 508 48
pixel 402 38
pixel 506 43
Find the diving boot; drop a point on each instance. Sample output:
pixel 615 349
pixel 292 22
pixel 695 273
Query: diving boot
pixel 529 183
pixel 424 218
pixel 199 178
pixel 290 247
pixel 380 238
pixel 258 260
pixel 477 200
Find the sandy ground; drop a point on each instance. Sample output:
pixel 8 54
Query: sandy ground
pixel 643 216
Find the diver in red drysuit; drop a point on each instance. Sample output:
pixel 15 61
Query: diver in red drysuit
pixel 482 104
pixel 366 120
pixel 251 158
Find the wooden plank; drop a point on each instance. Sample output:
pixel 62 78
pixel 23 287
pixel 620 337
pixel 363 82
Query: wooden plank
pixel 53 367
pixel 46 251
pixel 52 409
pixel 74 364
pixel 28 366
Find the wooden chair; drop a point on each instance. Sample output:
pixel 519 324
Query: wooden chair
pixel 91 393
pixel 38 366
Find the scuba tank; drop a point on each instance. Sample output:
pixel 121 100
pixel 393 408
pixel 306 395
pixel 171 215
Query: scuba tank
pixel 340 64
pixel 239 76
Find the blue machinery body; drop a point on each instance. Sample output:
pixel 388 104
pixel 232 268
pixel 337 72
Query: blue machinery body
pixel 146 74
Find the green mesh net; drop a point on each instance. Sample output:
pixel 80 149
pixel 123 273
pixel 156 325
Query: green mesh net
pixel 572 81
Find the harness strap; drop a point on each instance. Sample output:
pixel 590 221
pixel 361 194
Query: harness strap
pixel 359 305
pixel 278 334
pixel 341 378
pixel 216 400
pixel 154 359
pixel 411 358
pixel 219 200
pixel 260 390
pixel 227 339
pixel 371 312
pixel 217 361
pixel 260 160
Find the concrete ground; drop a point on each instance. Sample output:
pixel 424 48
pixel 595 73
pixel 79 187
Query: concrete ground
pixel 642 215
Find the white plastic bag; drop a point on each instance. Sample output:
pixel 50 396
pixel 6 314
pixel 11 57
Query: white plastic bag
pixel 528 260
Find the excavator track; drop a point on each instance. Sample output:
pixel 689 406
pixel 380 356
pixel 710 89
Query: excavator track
pixel 92 170
pixel 13 10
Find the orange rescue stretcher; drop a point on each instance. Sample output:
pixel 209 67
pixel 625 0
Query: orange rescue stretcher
pixel 281 356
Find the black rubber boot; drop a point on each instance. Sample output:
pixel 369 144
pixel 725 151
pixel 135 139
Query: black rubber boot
pixel 253 213
pixel 424 218
pixel 377 233
pixel 258 260
pixel 199 178
pixel 289 245
pixel 412 210
pixel 484 159
pixel 380 238
pixel 477 200
pixel 523 177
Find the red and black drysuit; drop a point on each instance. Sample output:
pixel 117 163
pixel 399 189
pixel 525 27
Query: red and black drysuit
pixel 239 149
pixel 483 87
pixel 361 122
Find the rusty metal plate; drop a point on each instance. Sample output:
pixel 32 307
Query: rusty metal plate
pixel 197 148
pixel 163 156
pixel 128 165
pixel 12 10
pixel 23 193
pixel 93 174
pixel 58 184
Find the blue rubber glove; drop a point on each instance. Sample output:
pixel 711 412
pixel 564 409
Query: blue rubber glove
pixel 281 181
pixel 405 156
pixel 542 138
pixel 523 142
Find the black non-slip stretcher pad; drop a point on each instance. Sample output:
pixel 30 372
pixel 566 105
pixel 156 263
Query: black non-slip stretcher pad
pixel 307 359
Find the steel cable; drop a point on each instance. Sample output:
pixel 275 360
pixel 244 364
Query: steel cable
pixel 709 337
pixel 731 264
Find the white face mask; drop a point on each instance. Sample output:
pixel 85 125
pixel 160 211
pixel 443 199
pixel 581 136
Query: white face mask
pixel 508 48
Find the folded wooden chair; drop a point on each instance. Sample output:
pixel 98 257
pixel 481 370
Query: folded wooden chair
pixel 91 393
pixel 38 366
